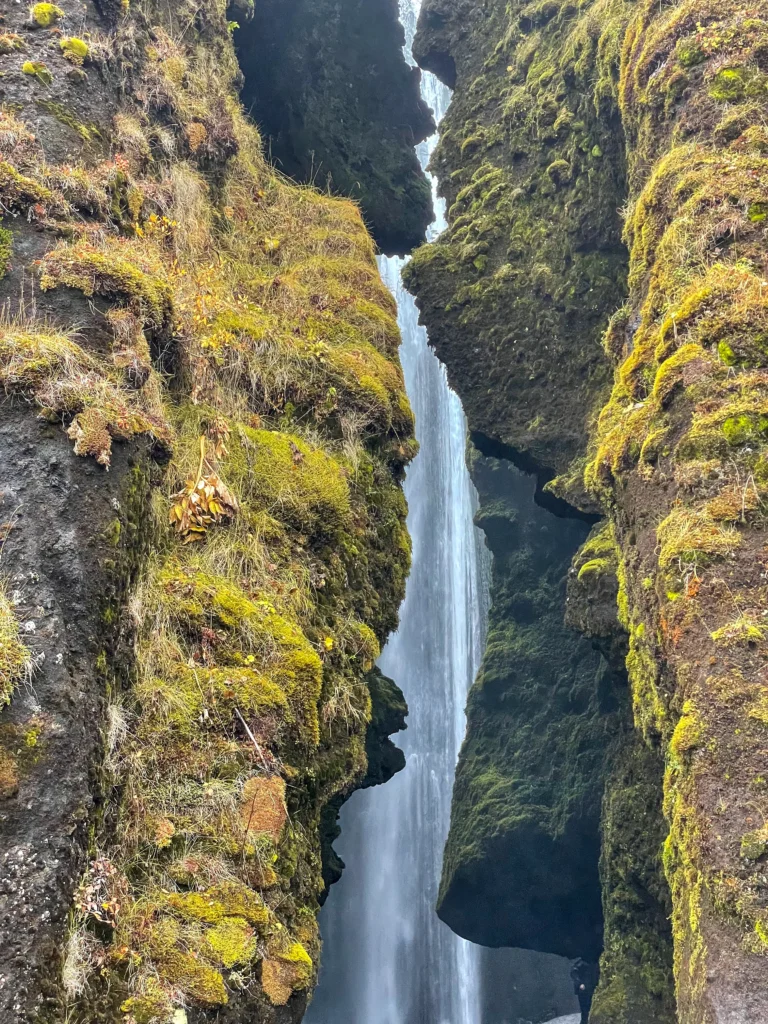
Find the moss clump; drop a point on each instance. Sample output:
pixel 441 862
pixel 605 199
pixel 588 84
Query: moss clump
pixel 224 899
pixel 75 50
pixel 19 192
pixel 754 845
pixel 287 969
pixel 119 269
pixel 231 942
pixel 745 629
pixel 37 69
pixel 13 654
pixel 45 15
pixel 6 250
pixel 689 732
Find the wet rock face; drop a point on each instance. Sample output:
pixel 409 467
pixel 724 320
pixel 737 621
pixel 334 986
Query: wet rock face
pixel 327 84
pixel 72 537
pixel 521 862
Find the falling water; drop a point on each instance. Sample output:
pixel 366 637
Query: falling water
pixel 387 958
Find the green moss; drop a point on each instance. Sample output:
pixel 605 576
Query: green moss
pixel 87 132
pixel 249 707
pixel 743 428
pixel 225 899
pixel 65 380
pixel 596 566
pixel 6 251
pixel 534 716
pixel 745 629
pixel 37 69
pixel 13 654
pixel 75 50
pixel 636 982
pixel 689 732
pixel 754 845
pixel 230 943
pixel 45 15
pixel 115 270
pixel 733 84
pixel 282 472
pixel 19 192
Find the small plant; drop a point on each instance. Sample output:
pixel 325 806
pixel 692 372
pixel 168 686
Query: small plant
pixel 14 657
pixel 9 42
pixel 36 69
pixel 744 630
pixel 45 15
pixel 203 501
pixel 6 248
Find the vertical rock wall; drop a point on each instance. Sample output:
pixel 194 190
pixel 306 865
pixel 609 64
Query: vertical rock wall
pixel 676 457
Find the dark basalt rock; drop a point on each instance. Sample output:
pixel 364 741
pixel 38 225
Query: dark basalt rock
pixel 388 714
pixel 521 861
pixel 339 107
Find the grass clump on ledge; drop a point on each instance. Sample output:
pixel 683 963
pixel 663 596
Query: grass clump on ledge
pixel 67 383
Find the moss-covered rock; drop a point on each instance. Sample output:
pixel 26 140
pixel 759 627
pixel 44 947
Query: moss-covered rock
pixel 521 862
pixel 676 455
pixel 531 164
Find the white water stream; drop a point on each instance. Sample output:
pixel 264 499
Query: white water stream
pixel 387 958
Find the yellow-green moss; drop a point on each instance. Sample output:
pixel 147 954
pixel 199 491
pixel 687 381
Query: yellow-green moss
pixel 743 630
pixel 64 115
pixel 688 732
pixel 119 269
pixel 75 50
pixel 13 654
pixel 6 250
pixel 37 69
pixel 45 14
pixel 231 942
pixel 18 192
pixel 284 474
pixel 224 899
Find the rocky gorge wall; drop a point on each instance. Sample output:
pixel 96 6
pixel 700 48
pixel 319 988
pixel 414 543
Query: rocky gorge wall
pixel 577 131
pixel 319 76
pixel 202 539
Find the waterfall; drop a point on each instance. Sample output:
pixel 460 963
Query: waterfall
pixel 387 958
